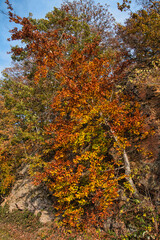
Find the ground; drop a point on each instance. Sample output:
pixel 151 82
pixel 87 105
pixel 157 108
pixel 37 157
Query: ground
pixel 23 225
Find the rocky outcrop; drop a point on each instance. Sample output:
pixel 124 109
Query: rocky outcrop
pixel 25 195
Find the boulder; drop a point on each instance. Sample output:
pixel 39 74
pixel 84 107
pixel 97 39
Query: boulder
pixel 26 195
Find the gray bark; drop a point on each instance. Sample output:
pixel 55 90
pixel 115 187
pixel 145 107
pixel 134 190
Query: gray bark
pixel 126 162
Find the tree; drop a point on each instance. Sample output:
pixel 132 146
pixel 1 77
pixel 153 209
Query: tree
pixel 96 16
pixel 85 127
pixel 141 34
pixel 7 157
pixel 126 5
pixel 26 112
pixel 88 115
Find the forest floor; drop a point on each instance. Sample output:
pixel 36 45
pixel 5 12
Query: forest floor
pixel 23 225
pixel 10 231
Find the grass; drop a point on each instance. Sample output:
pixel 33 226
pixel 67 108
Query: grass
pixel 4 234
pixel 25 219
pixel 18 225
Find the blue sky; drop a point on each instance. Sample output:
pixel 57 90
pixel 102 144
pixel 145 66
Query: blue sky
pixel 38 8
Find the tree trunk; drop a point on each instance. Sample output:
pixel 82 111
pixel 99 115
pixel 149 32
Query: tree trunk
pixel 126 163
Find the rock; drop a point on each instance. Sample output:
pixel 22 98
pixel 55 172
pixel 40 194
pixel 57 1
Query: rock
pixel 25 195
pixel 45 217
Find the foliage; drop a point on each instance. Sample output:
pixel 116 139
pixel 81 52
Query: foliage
pixel 26 111
pixel 142 221
pixel 126 5
pixel 96 16
pixel 146 77
pixel 7 156
pixel 65 109
pixel 141 33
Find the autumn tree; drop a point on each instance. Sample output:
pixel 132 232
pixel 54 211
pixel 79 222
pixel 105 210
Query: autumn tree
pixel 126 4
pixel 141 33
pixel 30 106
pixel 97 16
pixel 7 156
pixel 30 102
pixel 69 105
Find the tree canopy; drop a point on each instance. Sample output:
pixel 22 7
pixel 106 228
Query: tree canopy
pixel 141 33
